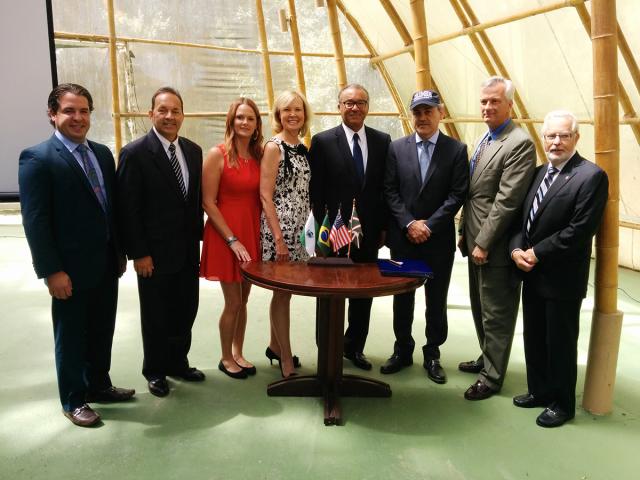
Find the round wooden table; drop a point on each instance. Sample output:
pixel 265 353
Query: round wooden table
pixel 331 285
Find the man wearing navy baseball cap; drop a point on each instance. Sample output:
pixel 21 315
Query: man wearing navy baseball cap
pixel 426 183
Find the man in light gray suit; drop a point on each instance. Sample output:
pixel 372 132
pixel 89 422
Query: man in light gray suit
pixel 501 171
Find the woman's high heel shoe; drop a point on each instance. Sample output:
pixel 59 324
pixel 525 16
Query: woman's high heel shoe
pixel 239 375
pixel 292 374
pixel 271 355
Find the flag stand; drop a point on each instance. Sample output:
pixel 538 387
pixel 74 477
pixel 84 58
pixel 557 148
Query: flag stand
pixel 330 262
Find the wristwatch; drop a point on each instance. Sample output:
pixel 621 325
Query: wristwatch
pixel 231 239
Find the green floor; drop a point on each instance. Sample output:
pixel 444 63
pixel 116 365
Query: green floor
pixel 230 429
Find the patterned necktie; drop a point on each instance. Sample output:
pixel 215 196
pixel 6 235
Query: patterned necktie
pixel 92 175
pixel 175 166
pixel 423 158
pixel 542 190
pixel 357 157
pixel 479 152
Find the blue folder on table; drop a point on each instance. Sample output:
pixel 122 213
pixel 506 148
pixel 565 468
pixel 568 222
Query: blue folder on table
pixel 404 268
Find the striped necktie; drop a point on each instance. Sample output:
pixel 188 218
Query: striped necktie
pixel 175 166
pixel 92 175
pixel 542 190
pixel 479 152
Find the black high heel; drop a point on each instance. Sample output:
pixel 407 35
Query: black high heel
pixel 271 355
pixel 292 374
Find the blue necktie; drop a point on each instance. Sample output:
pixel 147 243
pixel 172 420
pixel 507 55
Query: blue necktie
pixel 423 157
pixel 357 157
pixel 92 175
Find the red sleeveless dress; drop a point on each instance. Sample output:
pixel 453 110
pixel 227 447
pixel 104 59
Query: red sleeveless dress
pixel 239 203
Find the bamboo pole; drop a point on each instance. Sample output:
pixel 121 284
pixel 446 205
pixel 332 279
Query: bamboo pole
pixel 420 45
pixel 384 73
pixel 115 89
pixel 483 26
pixel 105 39
pixel 625 101
pixel 517 99
pixel 295 41
pixel 450 127
pixel 606 324
pixel 332 11
pixel 627 55
pixel 264 48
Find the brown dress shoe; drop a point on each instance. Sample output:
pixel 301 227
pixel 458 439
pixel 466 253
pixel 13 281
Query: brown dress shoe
pixel 478 391
pixel 472 366
pixel 83 416
pixel 111 394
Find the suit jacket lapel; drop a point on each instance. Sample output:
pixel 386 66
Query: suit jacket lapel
pixel 68 157
pixel 433 164
pixel 160 158
pixel 345 151
pixel 411 154
pixel 558 184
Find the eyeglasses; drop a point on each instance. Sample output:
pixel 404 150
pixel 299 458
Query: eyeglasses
pixel 562 136
pixel 350 104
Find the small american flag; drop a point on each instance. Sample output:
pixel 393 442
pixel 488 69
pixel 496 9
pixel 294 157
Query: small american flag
pixel 339 235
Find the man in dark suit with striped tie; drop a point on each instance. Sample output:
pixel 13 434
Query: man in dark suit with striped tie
pixel 160 212
pixel 552 248
pixel 66 186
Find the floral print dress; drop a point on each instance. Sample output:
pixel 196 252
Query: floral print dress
pixel 291 200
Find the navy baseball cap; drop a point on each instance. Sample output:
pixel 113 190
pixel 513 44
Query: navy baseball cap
pixel 425 97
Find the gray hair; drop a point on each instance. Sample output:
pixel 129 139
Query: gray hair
pixel 509 87
pixel 561 114
pixel 355 86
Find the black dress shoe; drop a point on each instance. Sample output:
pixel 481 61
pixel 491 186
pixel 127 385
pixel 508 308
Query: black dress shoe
pixel 359 360
pixel 395 363
pixel 111 394
pixel 472 366
pixel 238 375
pixel 190 375
pixel 435 371
pixel 553 416
pixel 159 387
pixel 478 391
pixel 83 416
pixel 528 400
pixel 249 370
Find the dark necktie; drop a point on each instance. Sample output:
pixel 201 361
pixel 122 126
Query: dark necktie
pixel 542 190
pixel 92 175
pixel 175 166
pixel 357 157
pixel 479 152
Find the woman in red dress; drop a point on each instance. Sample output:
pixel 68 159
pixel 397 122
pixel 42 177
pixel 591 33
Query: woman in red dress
pixel 231 198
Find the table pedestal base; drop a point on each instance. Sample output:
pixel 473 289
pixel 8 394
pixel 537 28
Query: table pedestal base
pixel 329 382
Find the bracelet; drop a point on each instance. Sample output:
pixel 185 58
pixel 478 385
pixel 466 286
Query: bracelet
pixel 230 240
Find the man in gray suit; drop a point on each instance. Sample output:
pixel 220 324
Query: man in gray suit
pixel 501 170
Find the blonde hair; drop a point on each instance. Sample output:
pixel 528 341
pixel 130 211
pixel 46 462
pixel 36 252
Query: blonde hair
pixel 284 99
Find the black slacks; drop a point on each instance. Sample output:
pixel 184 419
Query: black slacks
pixel 436 328
pixel 168 308
pixel 551 329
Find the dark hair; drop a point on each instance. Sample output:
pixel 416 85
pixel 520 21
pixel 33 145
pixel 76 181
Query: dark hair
pixel 53 102
pixel 162 90
pixel 255 144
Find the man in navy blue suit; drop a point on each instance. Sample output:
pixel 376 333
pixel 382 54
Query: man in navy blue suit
pixel 426 183
pixel 66 186
pixel 552 248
